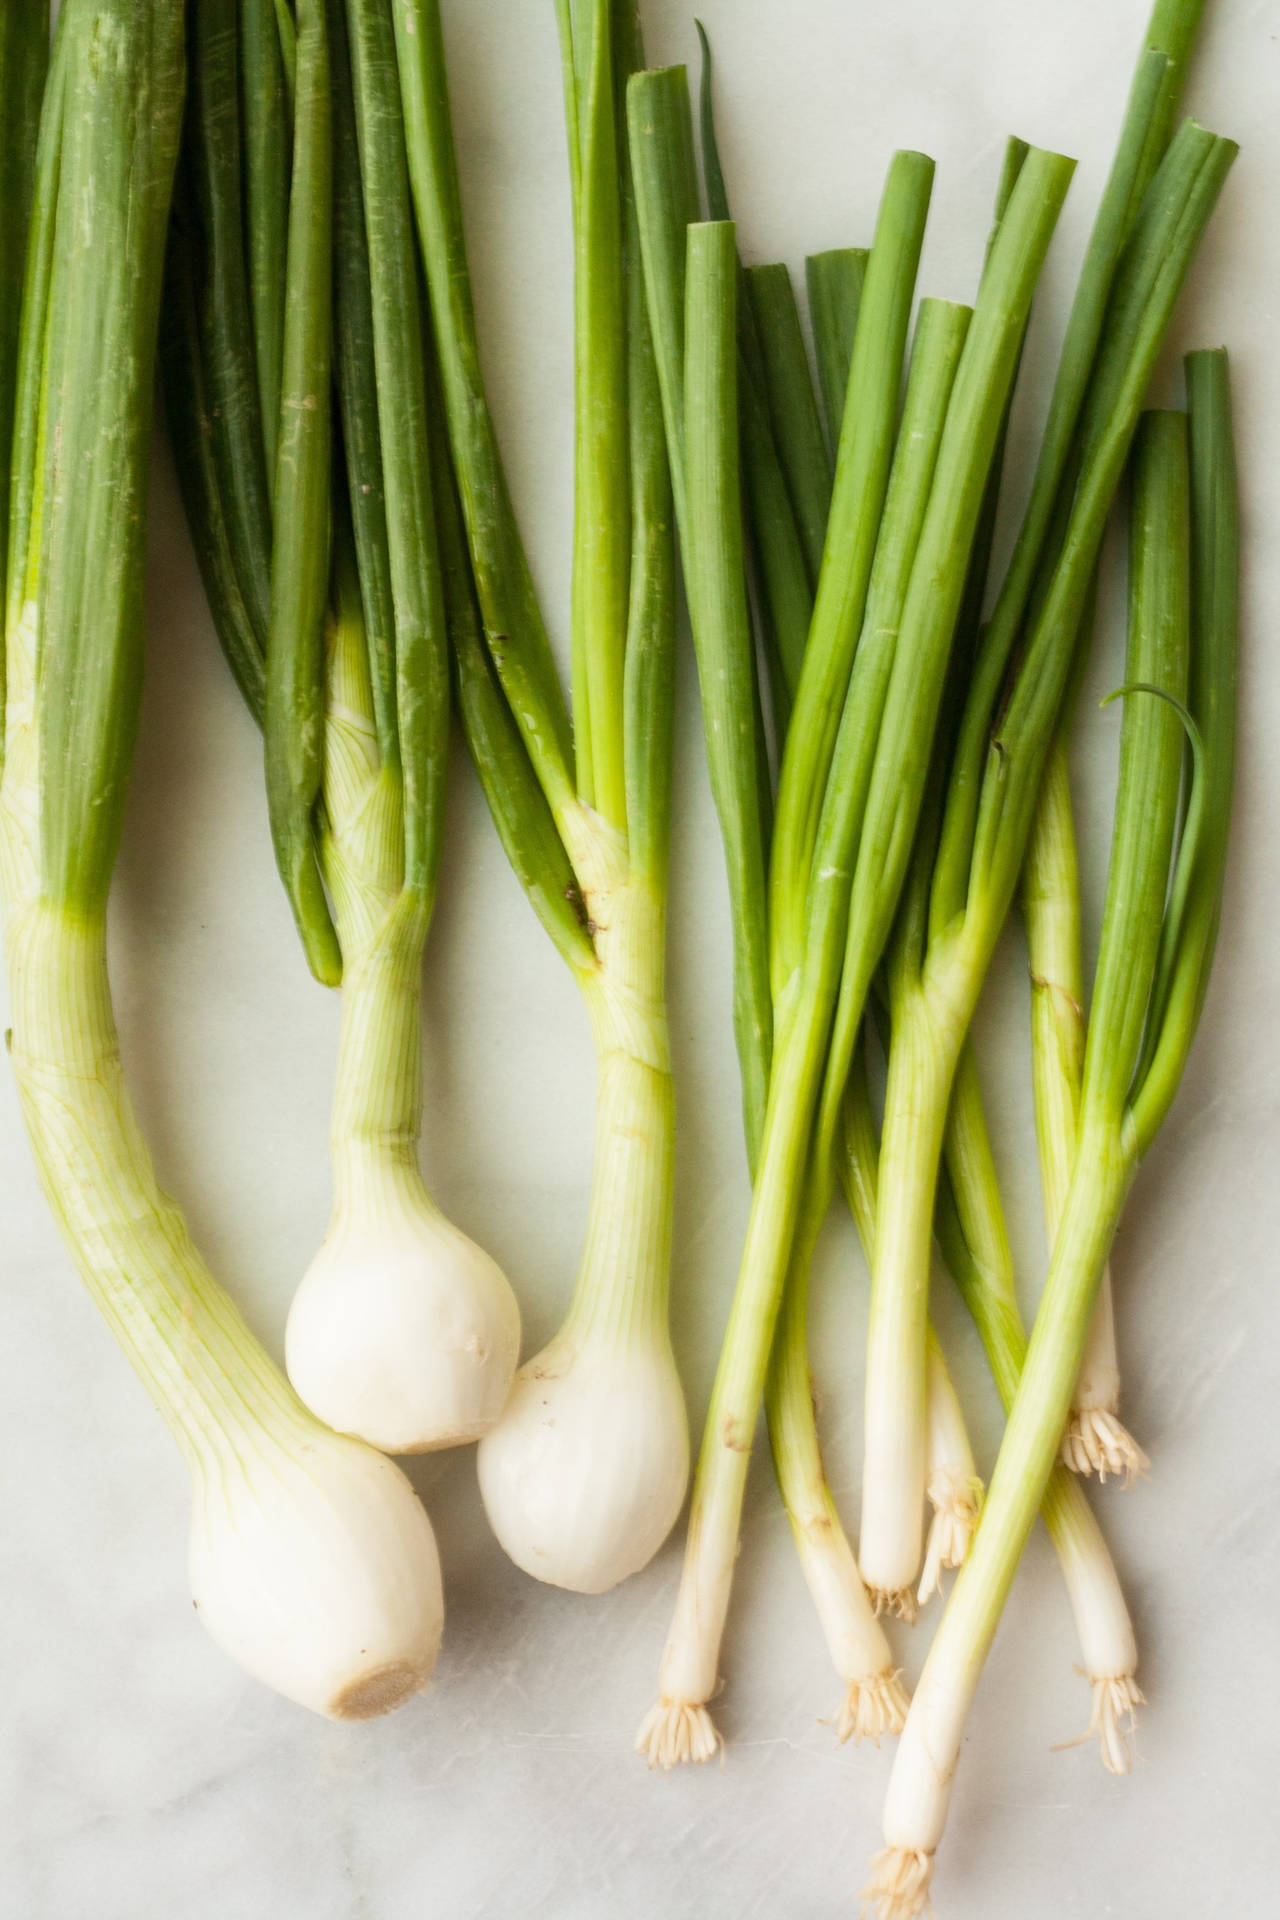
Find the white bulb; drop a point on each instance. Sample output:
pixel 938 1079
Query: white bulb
pixel 313 1564
pixel 584 1476
pixel 403 1331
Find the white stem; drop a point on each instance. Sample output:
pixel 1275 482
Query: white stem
pixel 874 1700
pixel 1105 1631
pixel 679 1727
pixel 953 1486
pixel 922 1061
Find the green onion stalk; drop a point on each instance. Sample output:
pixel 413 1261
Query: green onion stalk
pixel 1142 245
pixel 873 744
pixel 297 364
pixel 1160 921
pixel 312 1562
pixel 971 1234
pixel 584 1475
pixel 1096 1439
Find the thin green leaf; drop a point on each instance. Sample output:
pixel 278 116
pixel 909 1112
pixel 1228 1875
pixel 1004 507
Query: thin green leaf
pixel 715 578
pixel 834 282
pixel 862 472
pixel 514 630
pixel 1191 920
pixel 602 503
pixel 300 557
pixel 1150 765
pixel 265 113
pixel 356 377
pixel 421 646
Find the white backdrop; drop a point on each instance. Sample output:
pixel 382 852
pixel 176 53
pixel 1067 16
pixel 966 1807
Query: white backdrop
pixel 141 1773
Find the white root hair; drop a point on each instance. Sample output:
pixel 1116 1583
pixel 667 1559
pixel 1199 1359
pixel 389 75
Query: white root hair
pixel 871 1707
pixel 676 1732
pixel 899 1885
pixel 1097 1441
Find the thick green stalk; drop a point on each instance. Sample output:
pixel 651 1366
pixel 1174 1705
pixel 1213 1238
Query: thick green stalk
pixel 602 503
pixel 715 578
pixel 793 406
pixel 780 572
pixel 1191 923
pixel 697 378
pixel 1144 135
pixel 862 474
pixel 1178 206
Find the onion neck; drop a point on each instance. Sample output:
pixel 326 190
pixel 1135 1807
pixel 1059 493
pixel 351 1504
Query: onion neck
pixel 376 1119
pixel 622 1288
pixel 188 1343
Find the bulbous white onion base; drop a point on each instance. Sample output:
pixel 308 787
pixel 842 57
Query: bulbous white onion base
pixel 314 1566
pixel 584 1475
pixel 404 1332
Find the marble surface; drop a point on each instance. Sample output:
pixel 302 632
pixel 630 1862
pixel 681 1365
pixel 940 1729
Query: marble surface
pixel 142 1775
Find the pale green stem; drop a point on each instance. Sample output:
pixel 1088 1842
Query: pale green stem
pixel 189 1345
pixel 928 1032
pixel 623 1279
pixel 1051 905
pixel 919 1788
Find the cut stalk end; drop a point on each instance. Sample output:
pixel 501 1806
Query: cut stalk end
pixel 871 1707
pixel 1097 1441
pixel 899 1885
pixel 675 1732
pixel 382 1691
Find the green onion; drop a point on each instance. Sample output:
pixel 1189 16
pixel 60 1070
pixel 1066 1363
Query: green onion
pixel 584 1475
pixel 312 1562
pixel 1139 1035
pixel 402 1330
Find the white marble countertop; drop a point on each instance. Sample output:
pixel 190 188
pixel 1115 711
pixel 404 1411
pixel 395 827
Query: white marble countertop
pixel 142 1774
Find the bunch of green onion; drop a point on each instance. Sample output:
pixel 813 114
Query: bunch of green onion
pixel 889 762
pixel 312 1561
